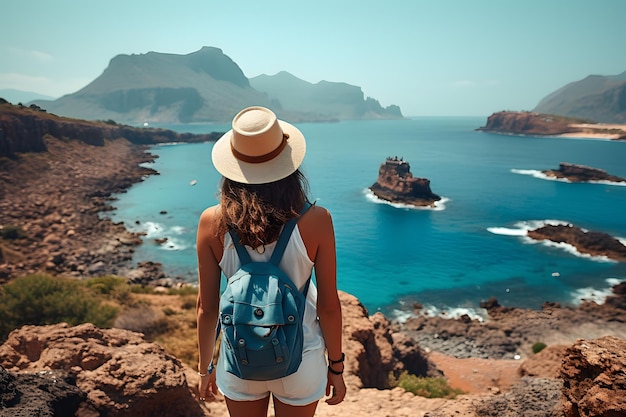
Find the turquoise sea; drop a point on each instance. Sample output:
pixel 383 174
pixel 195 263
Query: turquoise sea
pixel 470 248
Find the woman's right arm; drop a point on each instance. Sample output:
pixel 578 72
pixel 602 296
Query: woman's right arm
pixel 328 305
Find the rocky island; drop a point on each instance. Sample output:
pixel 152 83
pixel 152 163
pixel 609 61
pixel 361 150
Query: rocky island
pixel 581 173
pixel 587 242
pixel 538 124
pixel 396 184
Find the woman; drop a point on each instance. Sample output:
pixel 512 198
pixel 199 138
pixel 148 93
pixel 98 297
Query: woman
pixel 262 188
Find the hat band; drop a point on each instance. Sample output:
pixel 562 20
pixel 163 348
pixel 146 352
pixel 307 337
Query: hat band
pixel 260 158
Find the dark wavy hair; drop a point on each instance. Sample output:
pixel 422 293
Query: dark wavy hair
pixel 258 211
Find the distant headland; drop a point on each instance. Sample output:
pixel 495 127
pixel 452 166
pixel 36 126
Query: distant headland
pixel 396 184
pixel 539 124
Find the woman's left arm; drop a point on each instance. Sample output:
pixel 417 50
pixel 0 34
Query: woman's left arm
pixel 207 307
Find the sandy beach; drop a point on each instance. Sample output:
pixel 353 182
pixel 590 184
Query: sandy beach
pixel 596 131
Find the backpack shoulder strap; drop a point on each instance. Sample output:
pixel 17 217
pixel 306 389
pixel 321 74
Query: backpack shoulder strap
pixel 285 235
pixel 244 256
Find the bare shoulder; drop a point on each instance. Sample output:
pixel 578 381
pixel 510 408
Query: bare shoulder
pixel 317 215
pixel 316 229
pixel 209 221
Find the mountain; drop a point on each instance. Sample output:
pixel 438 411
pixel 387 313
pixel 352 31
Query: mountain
pixel 155 87
pixel 599 98
pixel 328 99
pixel 19 96
pixel 203 86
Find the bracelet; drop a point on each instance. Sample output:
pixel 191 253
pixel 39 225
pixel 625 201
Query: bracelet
pixel 332 371
pixel 209 371
pixel 343 357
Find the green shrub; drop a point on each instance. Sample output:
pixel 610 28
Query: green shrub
pixel 169 311
pixel 184 290
pixel 42 299
pixel 538 347
pixel 429 387
pixel 111 286
pixel 106 285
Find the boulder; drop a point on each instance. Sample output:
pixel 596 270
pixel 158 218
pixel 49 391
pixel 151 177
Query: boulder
pixel 374 351
pixel 47 393
pixel 594 378
pixel 121 374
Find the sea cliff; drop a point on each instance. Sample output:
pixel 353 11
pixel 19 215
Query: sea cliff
pixel 538 124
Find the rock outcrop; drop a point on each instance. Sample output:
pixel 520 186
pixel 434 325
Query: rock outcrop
pixel 45 393
pixel 374 351
pixel 528 123
pixel 594 375
pixel 587 242
pixel 581 173
pixel 540 124
pixel 396 184
pixel 24 129
pixel 118 371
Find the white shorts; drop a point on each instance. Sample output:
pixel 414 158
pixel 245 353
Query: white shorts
pixel 304 387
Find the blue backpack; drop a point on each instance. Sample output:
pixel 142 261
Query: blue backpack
pixel 261 313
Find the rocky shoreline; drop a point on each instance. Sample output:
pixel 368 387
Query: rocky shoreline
pixel 58 176
pixel 50 206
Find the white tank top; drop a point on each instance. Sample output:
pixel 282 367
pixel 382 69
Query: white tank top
pixel 297 265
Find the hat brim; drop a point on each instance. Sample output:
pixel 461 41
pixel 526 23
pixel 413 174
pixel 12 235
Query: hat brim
pixel 283 165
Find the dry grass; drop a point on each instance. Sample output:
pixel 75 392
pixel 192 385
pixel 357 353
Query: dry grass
pixel 178 337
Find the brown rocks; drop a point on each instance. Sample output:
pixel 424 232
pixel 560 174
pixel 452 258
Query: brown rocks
pixel 46 393
pixel 120 373
pixel 373 350
pixel 594 374
pixel 587 242
pixel 396 184
pixel 527 123
pixel 581 173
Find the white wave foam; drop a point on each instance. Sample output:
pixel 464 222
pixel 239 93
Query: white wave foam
pixel 454 312
pixel 157 231
pixel 523 227
pixel 438 205
pixel 594 294
pixel 619 184
pixel 537 174
pixel 173 244
pixel 152 229
pixel 401 316
pixel 506 232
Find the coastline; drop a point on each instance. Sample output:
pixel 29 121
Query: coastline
pixel 70 236
pixel 56 199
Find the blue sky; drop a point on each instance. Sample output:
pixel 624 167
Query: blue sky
pixel 437 57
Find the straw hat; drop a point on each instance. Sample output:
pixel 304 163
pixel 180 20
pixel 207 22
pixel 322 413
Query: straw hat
pixel 259 148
